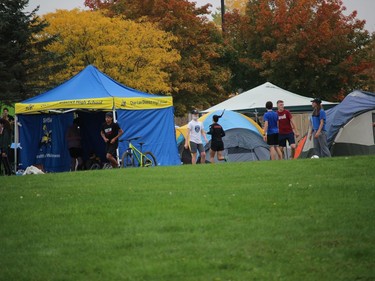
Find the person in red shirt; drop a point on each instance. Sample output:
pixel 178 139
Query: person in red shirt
pixel 287 128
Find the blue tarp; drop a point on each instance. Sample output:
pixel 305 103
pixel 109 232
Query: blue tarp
pixel 90 83
pixel 42 139
pixel 353 104
pixel 155 130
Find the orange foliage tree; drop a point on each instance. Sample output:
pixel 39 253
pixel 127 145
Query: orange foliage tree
pixel 200 78
pixel 306 46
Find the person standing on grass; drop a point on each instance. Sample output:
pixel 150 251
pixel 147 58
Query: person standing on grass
pixel 73 138
pixel 287 129
pixel 5 142
pixel 319 129
pixel 271 131
pixel 217 145
pixel 110 133
pixel 195 131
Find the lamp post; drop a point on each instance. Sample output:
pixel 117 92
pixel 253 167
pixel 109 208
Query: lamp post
pixel 222 15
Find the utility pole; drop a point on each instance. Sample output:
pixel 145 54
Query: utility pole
pixel 222 15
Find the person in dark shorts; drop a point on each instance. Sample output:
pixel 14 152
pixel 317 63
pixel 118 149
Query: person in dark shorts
pixel 110 133
pixel 287 129
pixel 271 131
pixel 73 138
pixel 217 145
pixel 194 140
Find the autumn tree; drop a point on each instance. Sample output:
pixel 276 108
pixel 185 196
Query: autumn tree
pixel 367 78
pixel 20 52
pixel 200 79
pixel 306 46
pixel 135 54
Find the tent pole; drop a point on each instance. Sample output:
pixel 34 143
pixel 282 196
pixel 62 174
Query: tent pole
pixel 115 121
pixel 287 151
pixel 114 116
pixel 301 126
pixel 16 137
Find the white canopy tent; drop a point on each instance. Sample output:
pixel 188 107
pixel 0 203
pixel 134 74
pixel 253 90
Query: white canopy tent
pixel 254 100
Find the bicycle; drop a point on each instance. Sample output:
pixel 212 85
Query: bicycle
pixel 146 159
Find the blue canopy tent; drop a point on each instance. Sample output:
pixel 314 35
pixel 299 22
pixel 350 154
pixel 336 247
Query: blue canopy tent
pixel 44 119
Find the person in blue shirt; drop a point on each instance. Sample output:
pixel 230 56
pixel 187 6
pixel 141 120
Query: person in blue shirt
pixel 319 129
pixel 271 131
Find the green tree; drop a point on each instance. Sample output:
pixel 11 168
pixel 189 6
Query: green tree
pixel 21 54
pixel 200 79
pixel 306 46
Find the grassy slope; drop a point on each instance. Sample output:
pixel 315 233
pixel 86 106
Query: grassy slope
pixel 290 220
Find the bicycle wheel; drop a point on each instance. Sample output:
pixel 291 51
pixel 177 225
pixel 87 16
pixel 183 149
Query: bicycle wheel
pixel 107 166
pixel 127 160
pixel 149 159
pixel 95 166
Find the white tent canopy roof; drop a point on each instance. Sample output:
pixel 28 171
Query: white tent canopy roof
pixel 257 97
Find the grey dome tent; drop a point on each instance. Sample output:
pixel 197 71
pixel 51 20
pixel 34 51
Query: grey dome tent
pixel 243 145
pixel 350 125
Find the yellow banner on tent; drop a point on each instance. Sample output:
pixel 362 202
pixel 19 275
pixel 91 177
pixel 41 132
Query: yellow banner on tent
pixel 96 104
pixel 100 103
pixel 140 103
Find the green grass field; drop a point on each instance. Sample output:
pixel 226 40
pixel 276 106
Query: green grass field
pixel 299 220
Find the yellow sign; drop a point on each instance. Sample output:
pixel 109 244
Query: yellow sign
pixel 101 103
pixel 143 103
pixel 96 104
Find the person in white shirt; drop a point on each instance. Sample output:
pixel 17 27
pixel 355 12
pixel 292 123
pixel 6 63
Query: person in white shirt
pixel 195 131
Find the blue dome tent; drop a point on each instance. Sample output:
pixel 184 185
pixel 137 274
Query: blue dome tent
pixel 243 139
